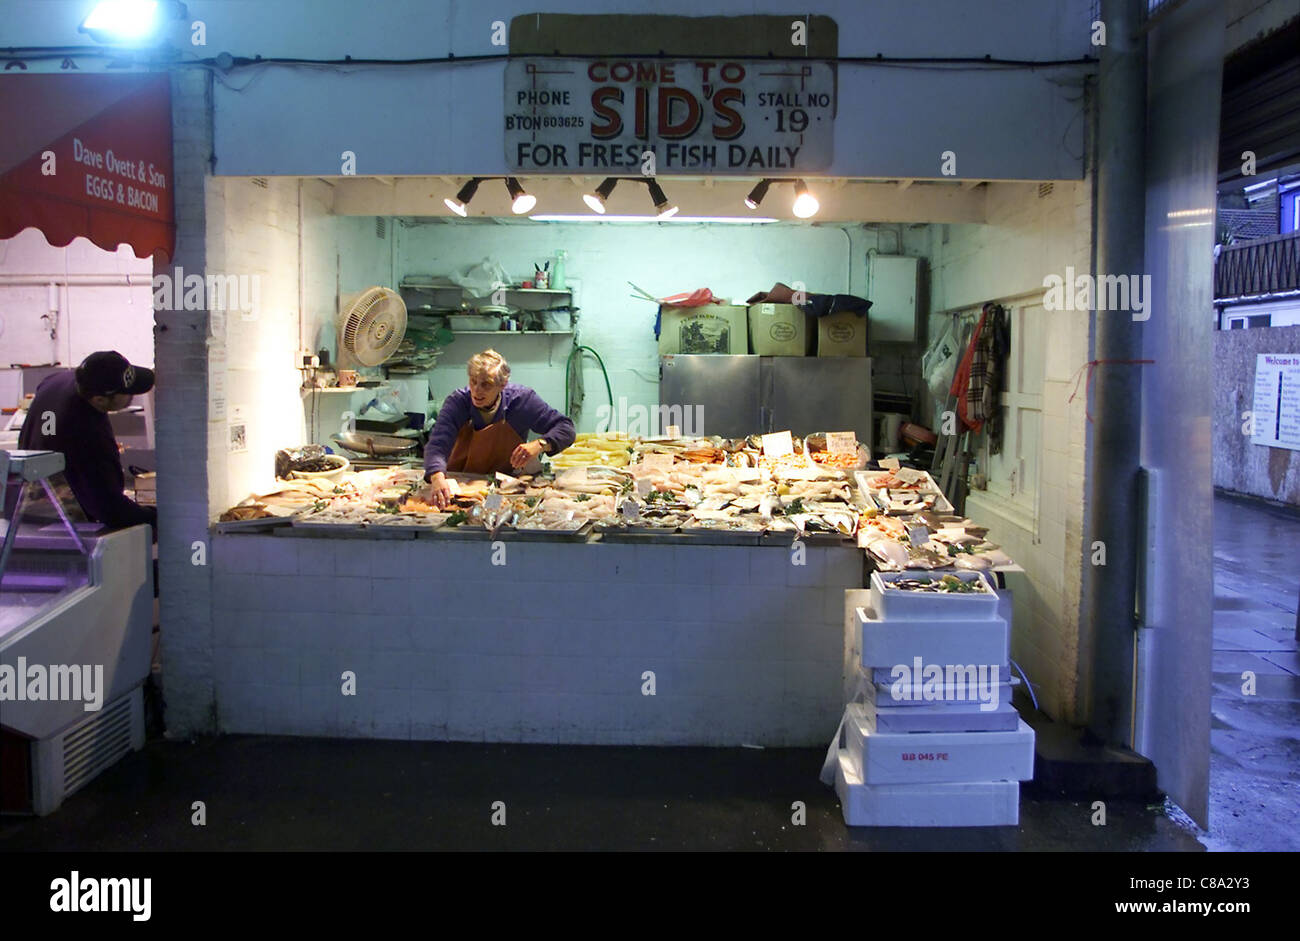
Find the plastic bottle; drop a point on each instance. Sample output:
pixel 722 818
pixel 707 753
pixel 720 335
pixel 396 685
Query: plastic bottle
pixel 557 276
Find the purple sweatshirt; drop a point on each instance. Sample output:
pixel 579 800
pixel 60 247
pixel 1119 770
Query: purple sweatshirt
pixel 521 408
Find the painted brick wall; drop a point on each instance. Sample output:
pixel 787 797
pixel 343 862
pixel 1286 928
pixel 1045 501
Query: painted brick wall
pixel 181 401
pixel 551 647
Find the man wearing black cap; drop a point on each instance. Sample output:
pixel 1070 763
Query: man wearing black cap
pixel 73 405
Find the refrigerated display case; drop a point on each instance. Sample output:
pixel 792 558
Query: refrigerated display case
pixel 76 617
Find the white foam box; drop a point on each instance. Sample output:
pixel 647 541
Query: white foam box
pixel 936 757
pixel 893 603
pixel 878 686
pixel 955 804
pixel 883 642
pixel 940 717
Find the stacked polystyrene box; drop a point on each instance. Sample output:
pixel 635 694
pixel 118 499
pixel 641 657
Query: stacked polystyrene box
pixel 924 750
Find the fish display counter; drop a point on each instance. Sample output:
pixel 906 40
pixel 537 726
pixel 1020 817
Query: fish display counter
pixel 643 591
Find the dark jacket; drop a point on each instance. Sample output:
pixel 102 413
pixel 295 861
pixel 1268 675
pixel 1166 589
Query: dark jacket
pixel 85 437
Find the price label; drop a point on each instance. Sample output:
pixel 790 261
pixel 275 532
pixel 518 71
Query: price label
pixel 492 502
pixel 631 510
pixel 918 535
pixel 643 486
pixel 842 442
pixel 673 431
pixel 889 463
pixel 657 460
pixel 778 444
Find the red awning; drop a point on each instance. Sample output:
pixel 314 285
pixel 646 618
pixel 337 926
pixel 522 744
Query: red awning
pixel 88 155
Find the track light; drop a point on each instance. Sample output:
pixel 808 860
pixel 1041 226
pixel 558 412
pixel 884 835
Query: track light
pixel 596 201
pixel 131 22
pixel 462 199
pixel 805 203
pixel 520 202
pixel 662 206
pixel 757 193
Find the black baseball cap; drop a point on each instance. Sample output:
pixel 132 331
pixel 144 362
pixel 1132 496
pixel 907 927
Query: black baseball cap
pixel 108 372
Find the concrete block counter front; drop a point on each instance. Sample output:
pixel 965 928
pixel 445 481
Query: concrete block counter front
pixel 554 645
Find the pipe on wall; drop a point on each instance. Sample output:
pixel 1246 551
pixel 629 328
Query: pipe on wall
pixel 1108 623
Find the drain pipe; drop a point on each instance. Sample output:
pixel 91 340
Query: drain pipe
pixel 1107 613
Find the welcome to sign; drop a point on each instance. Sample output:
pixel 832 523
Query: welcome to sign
pixel 748 118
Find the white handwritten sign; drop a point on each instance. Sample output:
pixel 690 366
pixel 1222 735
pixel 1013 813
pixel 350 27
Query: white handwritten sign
pixel 778 444
pixel 842 442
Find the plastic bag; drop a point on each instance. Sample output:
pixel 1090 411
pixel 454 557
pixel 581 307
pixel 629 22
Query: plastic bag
pixel 482 279
pixel 939 364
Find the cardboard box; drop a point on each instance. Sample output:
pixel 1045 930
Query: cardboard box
pixel 937 757
pixel 958 804
pixel 714 328
pixel 843 334
pixel 778 330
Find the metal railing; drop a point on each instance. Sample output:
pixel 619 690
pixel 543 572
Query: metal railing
pixel 1262 266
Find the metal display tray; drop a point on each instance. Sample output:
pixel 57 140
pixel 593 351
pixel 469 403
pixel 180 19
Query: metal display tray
pixel 253 526
pixel 511 534
pixel 720 537
pixel 929 486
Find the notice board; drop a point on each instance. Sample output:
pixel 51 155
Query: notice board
pixel 1277 401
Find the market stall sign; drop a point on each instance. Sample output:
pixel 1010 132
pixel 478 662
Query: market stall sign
pixel 778 444
pixel 1276 415
pixel 749 118
pixel 89 156
pixel 842 442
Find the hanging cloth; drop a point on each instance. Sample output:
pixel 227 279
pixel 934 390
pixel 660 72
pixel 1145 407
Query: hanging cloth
pixel 965 386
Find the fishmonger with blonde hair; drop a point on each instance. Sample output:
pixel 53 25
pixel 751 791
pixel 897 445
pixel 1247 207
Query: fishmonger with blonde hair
pixel 483 428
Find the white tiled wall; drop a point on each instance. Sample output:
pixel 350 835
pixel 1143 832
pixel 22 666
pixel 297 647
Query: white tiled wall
pixel 746 648
pixel 1029 237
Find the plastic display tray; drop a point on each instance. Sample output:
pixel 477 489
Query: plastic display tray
pixel 891 603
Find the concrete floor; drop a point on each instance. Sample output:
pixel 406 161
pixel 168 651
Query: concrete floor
pixel 1255 740
pixel 265 793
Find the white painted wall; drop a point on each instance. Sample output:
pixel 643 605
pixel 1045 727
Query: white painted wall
pixel 253 231
pixel 1002 124
pixel 1029 237
pixel 402 29
pixel 114 315
pixel 732 261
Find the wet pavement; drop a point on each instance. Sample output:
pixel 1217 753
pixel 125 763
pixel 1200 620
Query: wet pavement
pixel 264 793
pixel 1255 738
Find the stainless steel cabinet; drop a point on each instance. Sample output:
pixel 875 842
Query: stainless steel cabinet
pixel 740 395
